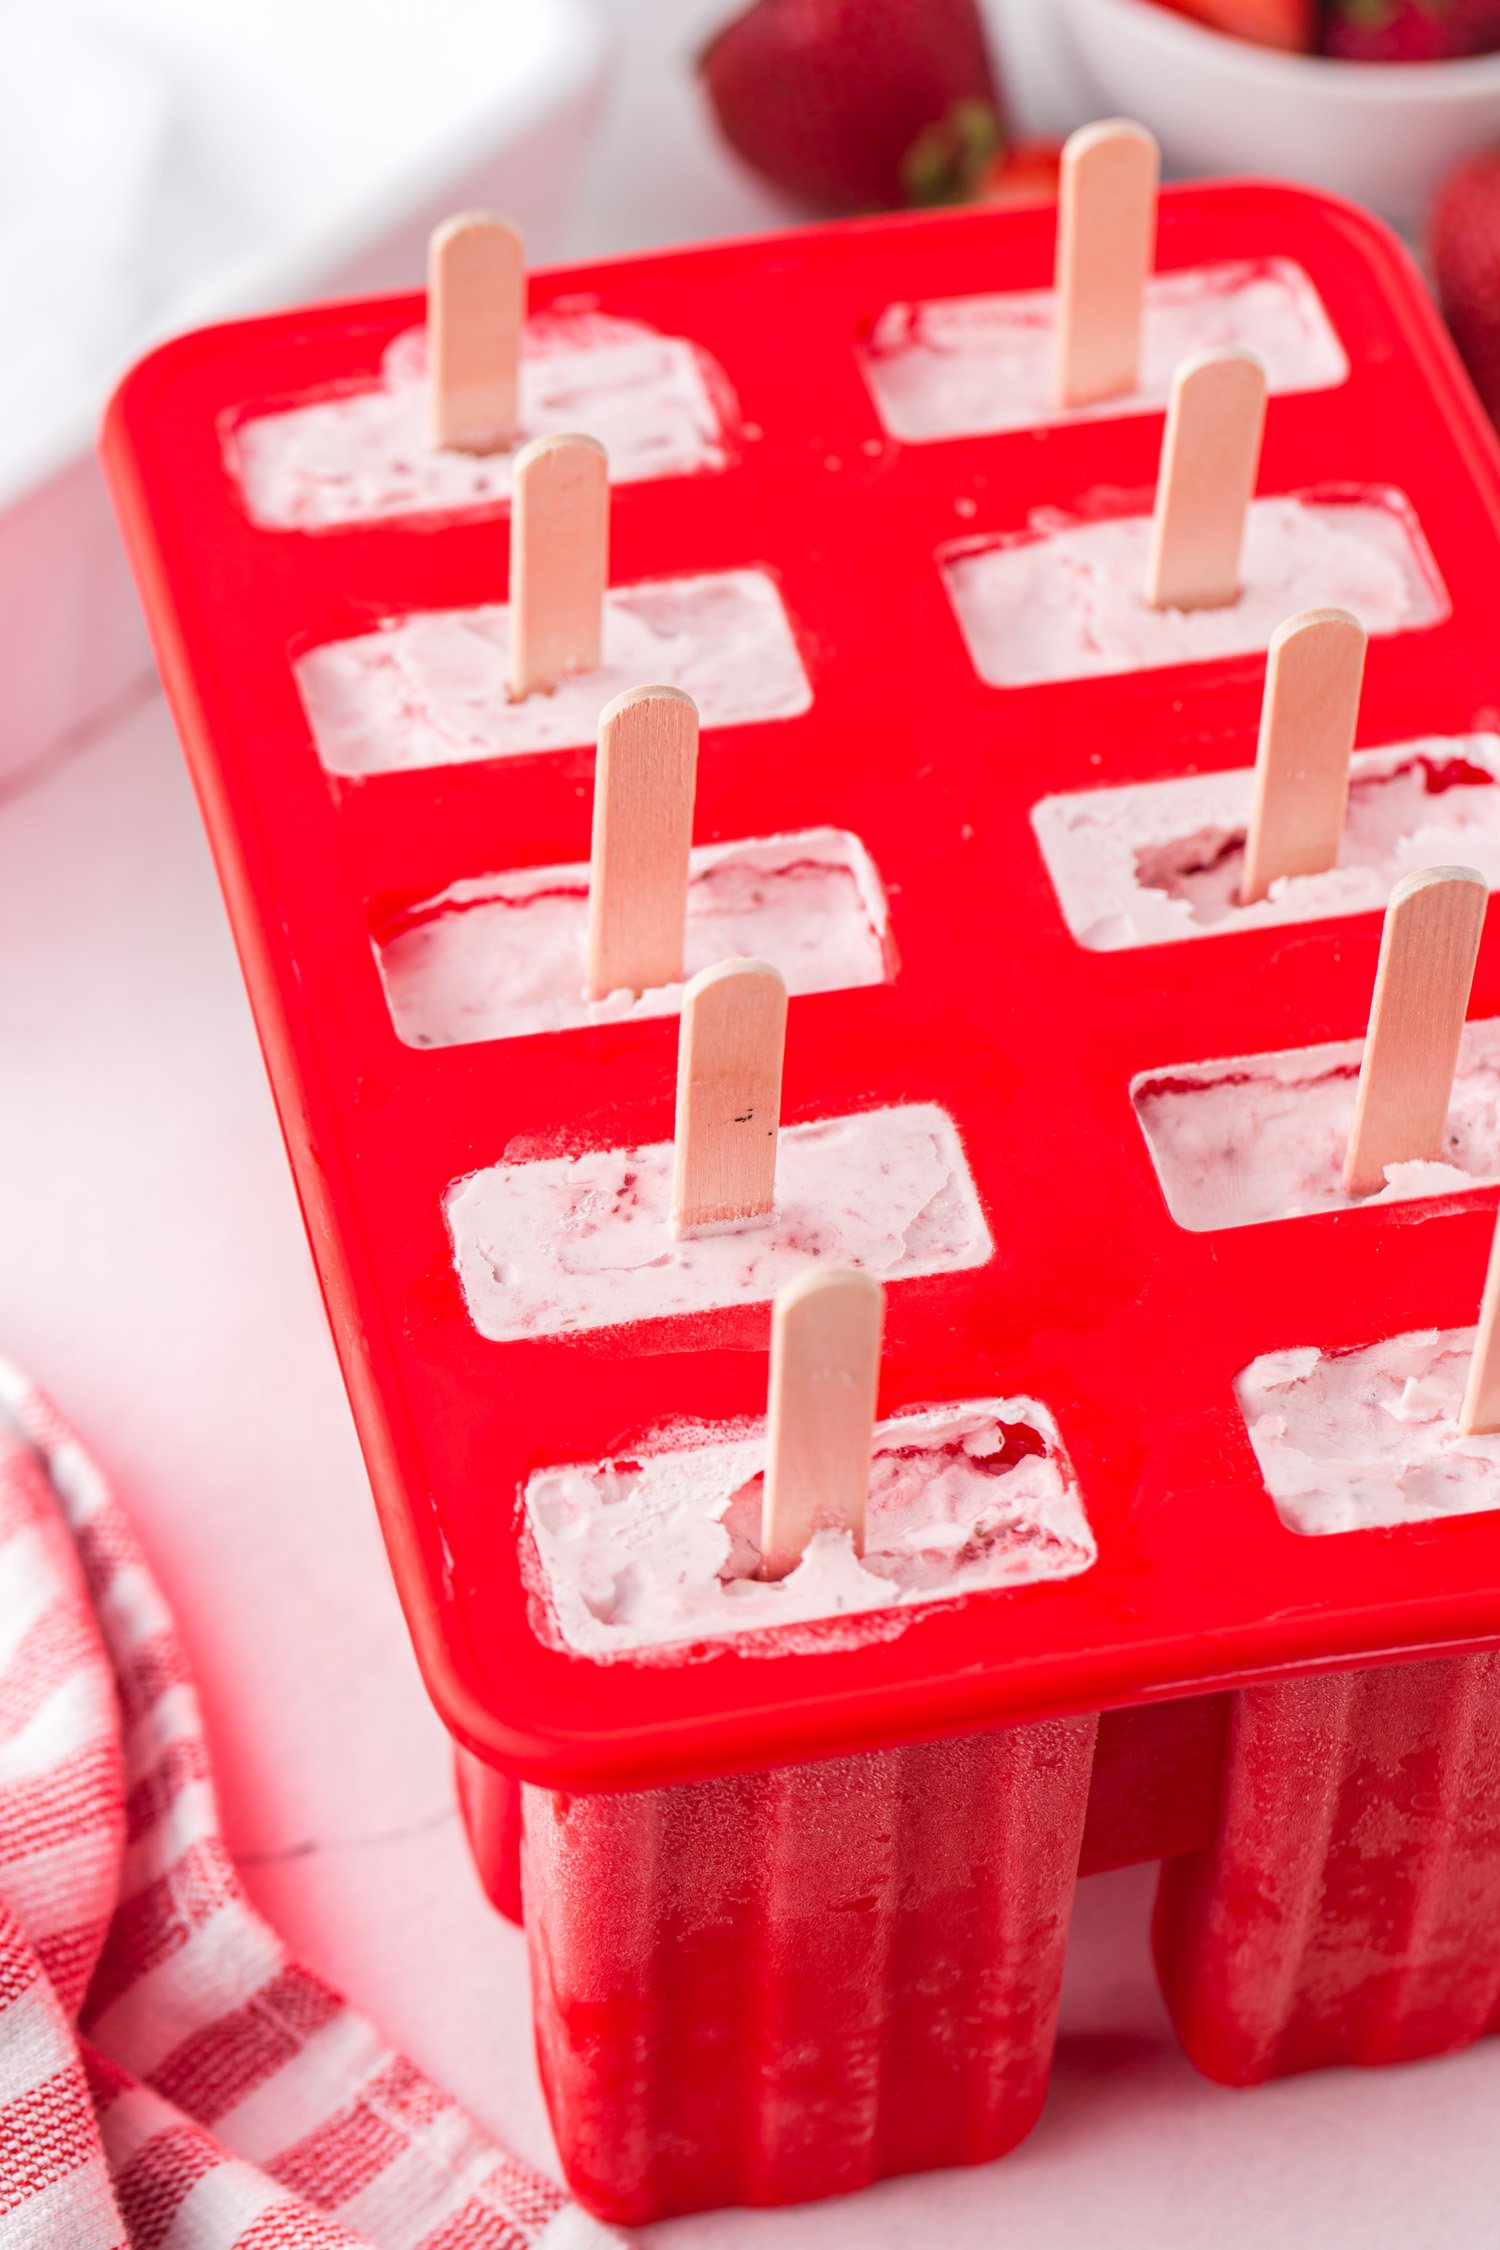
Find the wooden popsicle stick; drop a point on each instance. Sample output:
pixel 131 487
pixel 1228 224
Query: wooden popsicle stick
pixel 1479 1415
pixel 559 561
pixel 643 827
pixel 476 312
pixel 1307 721
pixel 1427 951
pixel 1209 457
pixel 1106 246
pixel 729 1051
pixel 825 1370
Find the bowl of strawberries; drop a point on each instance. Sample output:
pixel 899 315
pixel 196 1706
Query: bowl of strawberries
pixel 1373 99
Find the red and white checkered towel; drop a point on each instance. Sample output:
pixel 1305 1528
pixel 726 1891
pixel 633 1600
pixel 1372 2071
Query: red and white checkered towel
pixel 169 2078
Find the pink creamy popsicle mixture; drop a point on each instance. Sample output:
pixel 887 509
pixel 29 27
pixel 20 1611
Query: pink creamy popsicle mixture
pixel 501 956
pixel 656 404
pixel 1258 1137
pixel 976 366
pixel 430 689
pixel 1065 599
pixel 1353 1440
pixel 1152 863
pixel 663 1549
pixel 562 1244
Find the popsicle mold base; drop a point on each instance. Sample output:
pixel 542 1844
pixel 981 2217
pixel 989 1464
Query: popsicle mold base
pixel 786 1985
pixel 1348 1909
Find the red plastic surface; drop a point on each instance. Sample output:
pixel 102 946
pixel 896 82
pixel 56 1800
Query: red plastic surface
pixel 1129 1329
pixel 1348 1908
pixel 784 1985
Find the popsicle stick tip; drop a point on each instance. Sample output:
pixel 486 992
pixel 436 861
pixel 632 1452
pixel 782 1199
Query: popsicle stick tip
pixel 749 976
pixel 1111 132
pixel 487 227
pixel 848 1283
pixel 1435 878
pixel 560 445
pixel 634 697
pixel 1326 621
pixel 1225 367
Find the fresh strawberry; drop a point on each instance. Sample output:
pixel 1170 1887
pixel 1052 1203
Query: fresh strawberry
pixel 1463 248
pixel 1410 30
pixel 1291 24
pixel 1022 172
pixel 857 104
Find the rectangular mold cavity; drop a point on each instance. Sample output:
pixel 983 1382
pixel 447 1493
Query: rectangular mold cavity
pixel 1063 600
pixel 656 403
pixel 1259 1137
pixel 502 956
pixel 1155 862
pixel 661 1551
pixel 954 367
pixel 1357 1439
pixel 557 1245
pixel 430 689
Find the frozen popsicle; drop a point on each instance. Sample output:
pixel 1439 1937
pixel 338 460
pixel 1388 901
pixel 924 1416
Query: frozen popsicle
pixel 1256 1137
pixel 431 689
pixel 435 431
pixel 662 1550
pixel 782 1985
pixel 1151 863
pixel 1063 599
pixel 552 1245
pixel 503 956
pixel 789 1984
pixel 954 367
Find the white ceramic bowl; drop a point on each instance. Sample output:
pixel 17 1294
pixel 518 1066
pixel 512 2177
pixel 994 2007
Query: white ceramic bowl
pixel 1383 134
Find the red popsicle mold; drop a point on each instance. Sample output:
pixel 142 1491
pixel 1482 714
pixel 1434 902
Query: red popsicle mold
pixel 955 1858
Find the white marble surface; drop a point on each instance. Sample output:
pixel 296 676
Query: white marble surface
pixel 154 1275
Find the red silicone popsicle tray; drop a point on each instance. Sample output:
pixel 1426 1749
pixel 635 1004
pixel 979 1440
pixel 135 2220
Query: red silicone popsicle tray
pixel 1130 1329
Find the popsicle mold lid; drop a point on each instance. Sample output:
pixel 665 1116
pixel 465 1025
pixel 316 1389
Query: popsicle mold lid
pixel 1127 1329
